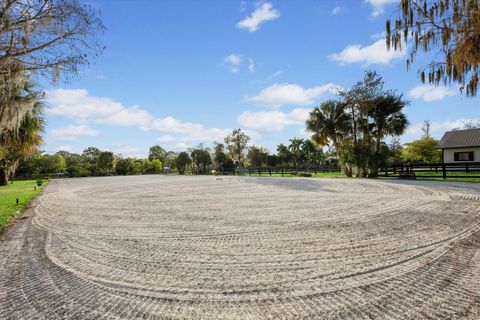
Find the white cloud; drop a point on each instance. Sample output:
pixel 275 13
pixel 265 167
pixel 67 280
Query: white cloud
pixel 440 127
pixel 293 94
pixel 262 14
pixel 187 131
pixel 73 132
pixel 431 93
pixel 251 66
pixel 273 120
pixel 233 61
pixel 378 6
pixel 275 74
pixel 78 105
pixel 337 10
pixel 126 150
pixel 379 35
pixel 304 133
pixel 170 124
pixel 234 69
pixel 375 53
pixel 166 138
pixel 64 148
pixel 182 146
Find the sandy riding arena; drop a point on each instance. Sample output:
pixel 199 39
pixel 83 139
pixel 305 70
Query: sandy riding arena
pixel 172 247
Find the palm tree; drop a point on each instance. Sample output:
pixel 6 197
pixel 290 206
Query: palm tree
pixel 295 148
pixel 16 97
pixel 329 121
pixel 22 143
pixel 309 151
pixel 284 154
pixel 388 117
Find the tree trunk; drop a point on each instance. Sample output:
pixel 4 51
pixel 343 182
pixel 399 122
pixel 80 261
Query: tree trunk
pixel 3 177
pixel 346 168
pixel 374 165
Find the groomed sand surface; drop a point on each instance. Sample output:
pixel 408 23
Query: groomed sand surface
pixel 155 247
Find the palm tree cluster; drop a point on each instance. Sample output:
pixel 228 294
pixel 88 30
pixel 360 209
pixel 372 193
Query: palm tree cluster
pixel 357 124
pixel 300 152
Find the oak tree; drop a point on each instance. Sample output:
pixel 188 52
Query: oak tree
pixel 41 37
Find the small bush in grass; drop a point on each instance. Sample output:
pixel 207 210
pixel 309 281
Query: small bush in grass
pixel 39 182
pixel 304 174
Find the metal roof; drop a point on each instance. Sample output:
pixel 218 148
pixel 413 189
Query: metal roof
pixel 460 139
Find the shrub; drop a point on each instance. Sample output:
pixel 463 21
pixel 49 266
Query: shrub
pixel 304 174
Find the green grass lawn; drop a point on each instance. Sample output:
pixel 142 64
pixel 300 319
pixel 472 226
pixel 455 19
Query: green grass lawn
pixel 475 177
pixel 24 191
pixel 472 177
pixel 432 176
pixel 318 175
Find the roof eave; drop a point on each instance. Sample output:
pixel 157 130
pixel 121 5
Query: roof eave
pixel 458 147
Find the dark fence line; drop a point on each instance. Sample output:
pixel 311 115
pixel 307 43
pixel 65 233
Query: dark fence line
pixel 40 176
pixel 447 170
pixel 405 170
pixel 264 170
pixel 284 170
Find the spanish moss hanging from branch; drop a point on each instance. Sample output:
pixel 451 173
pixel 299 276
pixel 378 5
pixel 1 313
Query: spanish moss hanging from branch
pixel 452 28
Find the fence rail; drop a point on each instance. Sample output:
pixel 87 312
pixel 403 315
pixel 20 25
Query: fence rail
pixel 426 170
pixel 290 170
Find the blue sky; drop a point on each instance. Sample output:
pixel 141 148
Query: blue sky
pixel 180 73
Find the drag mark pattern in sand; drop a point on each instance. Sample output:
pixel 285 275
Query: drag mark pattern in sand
pixel 154 247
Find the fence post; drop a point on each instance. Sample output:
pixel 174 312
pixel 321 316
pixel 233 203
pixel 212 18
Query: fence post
pixel 444 172
pixel 270 170
pixel 466 167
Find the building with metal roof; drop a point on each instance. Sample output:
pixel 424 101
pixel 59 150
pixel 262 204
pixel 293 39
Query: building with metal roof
pixel 460 146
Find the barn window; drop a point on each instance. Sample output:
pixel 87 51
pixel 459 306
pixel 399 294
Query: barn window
pixel 463 156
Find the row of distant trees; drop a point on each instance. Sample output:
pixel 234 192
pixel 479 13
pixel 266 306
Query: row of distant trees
pixel 54 37
pixel 91 162
pixel 353 128
pixel 234 153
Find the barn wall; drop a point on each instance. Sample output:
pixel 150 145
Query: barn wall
pixel 449 158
